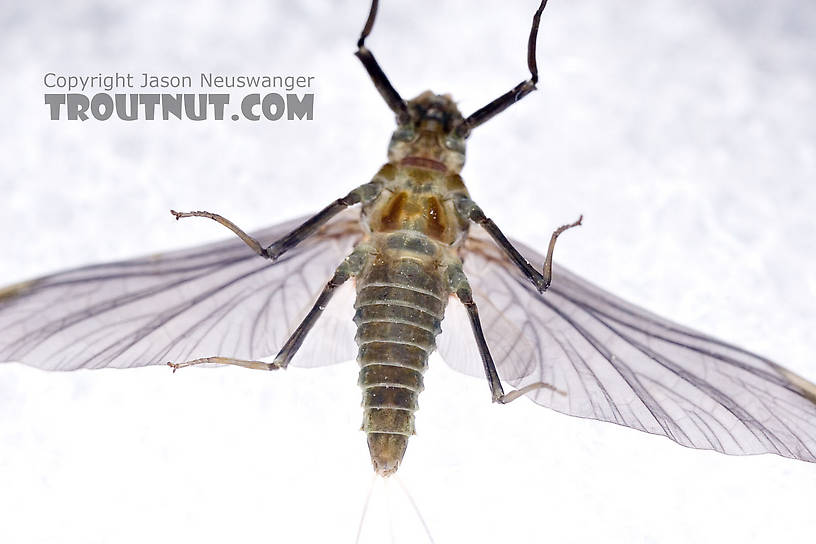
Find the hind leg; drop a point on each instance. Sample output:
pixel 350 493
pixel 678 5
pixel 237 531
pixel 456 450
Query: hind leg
pixel 351 266
pixel 460 285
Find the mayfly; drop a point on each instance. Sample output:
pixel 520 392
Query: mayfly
pixel 418 241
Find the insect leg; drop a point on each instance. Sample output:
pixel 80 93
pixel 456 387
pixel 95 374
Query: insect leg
pixel 387 91
pixel 248 240
pixel 351 266
pixel 257 365
pixel 469 209
pixel 460 285
pixel 516 93
pixel 363 193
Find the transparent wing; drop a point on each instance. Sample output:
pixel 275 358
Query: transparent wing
pixel 622 364
pixel 215 300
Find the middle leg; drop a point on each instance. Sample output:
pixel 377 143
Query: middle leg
pixel 469 209
pixel 364 193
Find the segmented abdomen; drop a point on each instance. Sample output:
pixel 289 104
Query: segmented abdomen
pixel 401 298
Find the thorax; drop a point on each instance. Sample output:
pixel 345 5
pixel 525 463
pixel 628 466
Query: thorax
pixel 417 200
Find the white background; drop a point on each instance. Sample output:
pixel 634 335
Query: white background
pixel 684 131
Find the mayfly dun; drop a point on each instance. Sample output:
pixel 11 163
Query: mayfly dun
pixel 417 242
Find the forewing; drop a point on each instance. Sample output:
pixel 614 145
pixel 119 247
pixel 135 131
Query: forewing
pixel 220 299
pixel 619 363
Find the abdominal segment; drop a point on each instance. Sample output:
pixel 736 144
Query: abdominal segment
pixel 401 298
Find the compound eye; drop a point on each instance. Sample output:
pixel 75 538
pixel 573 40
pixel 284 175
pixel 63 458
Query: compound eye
pixel 455 143
pixel 406 134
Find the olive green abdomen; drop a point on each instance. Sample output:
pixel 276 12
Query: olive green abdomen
pixel 400 303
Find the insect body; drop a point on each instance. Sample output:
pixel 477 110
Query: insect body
pixel 420 240
pixel 416 212
pixel 412 264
